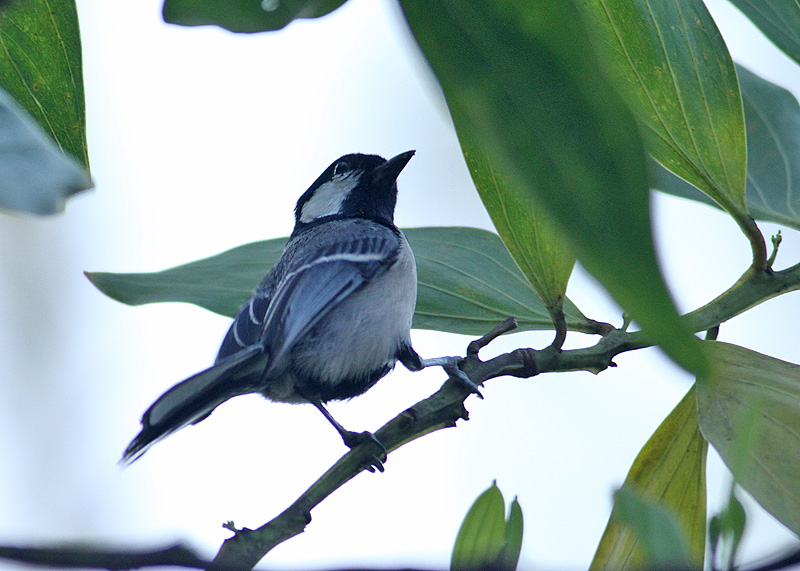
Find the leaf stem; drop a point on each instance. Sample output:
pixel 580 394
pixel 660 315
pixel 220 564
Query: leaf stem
pixel 757 242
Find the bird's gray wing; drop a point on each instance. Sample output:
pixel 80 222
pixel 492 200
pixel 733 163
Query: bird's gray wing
pixel 309 292
pixel 303 296
pixel 193 399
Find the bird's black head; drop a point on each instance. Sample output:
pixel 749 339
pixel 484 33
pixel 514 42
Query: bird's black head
pixel 354 186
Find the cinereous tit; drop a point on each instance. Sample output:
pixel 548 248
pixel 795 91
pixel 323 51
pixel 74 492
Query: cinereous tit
pixel 329 320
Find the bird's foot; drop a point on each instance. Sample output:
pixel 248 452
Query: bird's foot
pixel 355 439
pixel 450 366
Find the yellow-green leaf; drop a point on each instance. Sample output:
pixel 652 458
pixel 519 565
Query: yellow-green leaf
pixel 532 240
pixel 669 471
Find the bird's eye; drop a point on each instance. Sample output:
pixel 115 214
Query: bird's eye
pixel 341 168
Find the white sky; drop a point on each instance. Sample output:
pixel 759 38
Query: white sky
pixel 201 140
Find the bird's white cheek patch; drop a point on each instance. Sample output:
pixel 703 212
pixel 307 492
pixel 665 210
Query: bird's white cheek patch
pixel 328 198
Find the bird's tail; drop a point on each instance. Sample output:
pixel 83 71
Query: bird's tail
pixel 192 400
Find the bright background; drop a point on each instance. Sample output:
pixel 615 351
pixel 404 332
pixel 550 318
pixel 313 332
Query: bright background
pixel 201 140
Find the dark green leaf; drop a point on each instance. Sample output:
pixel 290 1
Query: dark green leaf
pixel 245 16
pixel 40 66
pixel 219 283
pixel 779 20
pixel 525 83
pixel 772 116
pixel 749 410
pixel 467 282
pixel 655 528
pixel 35 176
pixel 673 65
pixel 670 472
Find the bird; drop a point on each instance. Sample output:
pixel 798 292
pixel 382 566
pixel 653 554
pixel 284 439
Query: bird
pixel 330 318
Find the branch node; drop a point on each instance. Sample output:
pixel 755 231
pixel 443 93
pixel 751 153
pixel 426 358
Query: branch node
pixel 528 366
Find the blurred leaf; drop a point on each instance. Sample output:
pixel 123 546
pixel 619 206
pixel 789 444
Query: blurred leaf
pixel 538 249
pixel 749 410
pixel 772 116
pixel 467 282
pixel 725 532
pixel 40 66
pixel 35 176
pixel 245 16
pixel 672 63
pixel 486 540
pixel 779 20
pixel 670 472
pixel 524 83
pixel 509 556
pixel 656 529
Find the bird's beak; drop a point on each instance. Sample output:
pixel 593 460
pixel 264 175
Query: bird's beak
pixel 390 170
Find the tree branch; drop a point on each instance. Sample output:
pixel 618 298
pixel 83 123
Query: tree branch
pixel 441 410
pixel 446 406
pixel 93 557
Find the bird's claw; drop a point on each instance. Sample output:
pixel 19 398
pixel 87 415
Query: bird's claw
pixel 355 439
pixel 462 377
pixel 450 366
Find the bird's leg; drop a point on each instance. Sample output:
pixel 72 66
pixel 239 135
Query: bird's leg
pixel 450 366
pixel 354 439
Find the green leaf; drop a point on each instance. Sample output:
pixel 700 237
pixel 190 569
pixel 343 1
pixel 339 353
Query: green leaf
pixel 671 62
pixel 670 472
pixel 772 116
pixel 533 242
pixel 467 282
pixel 657 530
pixel 725 532
pixel 40 66
pixel 486 540
pixel 35 176
pixel 749 410
pixel 245 16
pixel 680 80
pixel 220 283
pixel 779 20
pixel 509 556
pixel 525 83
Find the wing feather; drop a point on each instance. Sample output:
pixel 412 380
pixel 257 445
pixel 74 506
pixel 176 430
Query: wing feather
pixel 310 292
pixel 193 399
